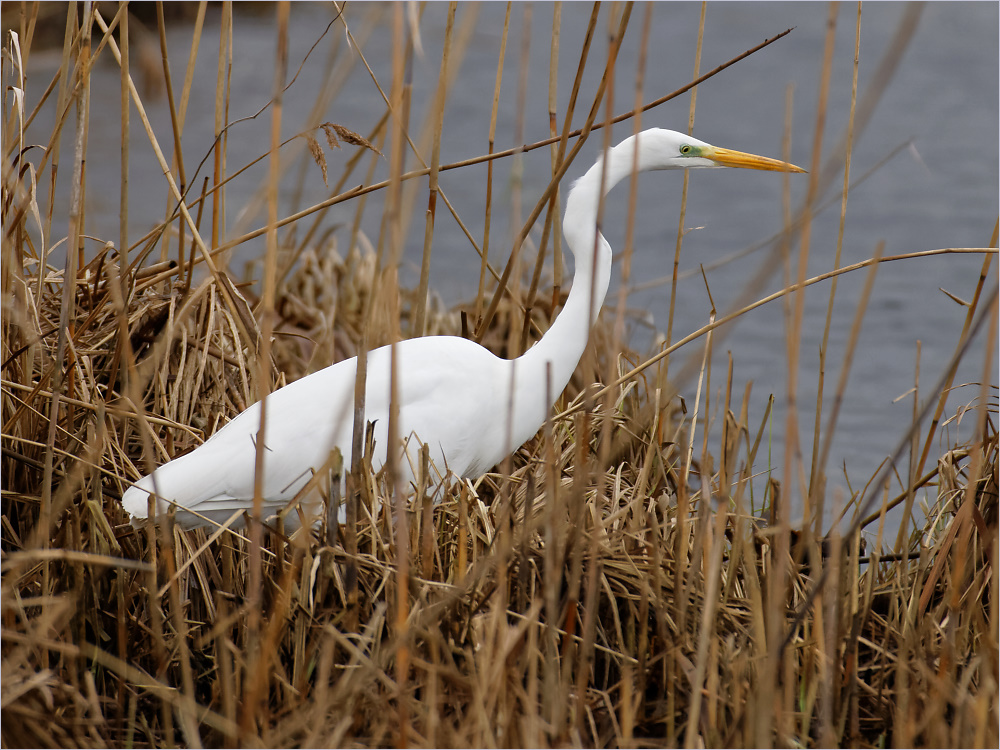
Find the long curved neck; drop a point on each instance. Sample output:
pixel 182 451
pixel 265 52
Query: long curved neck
pixel 564 342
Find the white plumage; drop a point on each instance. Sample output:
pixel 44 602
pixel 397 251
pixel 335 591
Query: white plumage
pixel 454 395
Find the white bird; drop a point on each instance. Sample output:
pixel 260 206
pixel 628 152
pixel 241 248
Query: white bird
pixel 470 407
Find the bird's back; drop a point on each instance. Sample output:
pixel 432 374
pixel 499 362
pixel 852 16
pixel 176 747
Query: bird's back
pixel 447 386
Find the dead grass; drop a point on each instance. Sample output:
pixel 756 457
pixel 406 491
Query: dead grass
pixel 619 582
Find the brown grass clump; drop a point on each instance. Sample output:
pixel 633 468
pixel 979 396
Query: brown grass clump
pixel 618 582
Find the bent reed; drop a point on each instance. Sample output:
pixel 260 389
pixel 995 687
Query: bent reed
pixel 618 582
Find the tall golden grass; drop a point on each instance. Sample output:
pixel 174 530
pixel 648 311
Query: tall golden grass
pixel 619 581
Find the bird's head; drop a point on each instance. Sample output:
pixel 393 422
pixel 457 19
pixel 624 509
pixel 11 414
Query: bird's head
pixel 668 149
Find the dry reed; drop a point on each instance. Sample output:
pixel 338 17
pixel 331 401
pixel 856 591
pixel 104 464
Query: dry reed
pixel 617 582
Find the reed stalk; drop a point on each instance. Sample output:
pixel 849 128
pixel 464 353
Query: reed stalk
pixel 622 579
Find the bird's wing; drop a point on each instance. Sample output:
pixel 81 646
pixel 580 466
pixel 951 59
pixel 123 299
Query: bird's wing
pixel 448 393
pixel 304 421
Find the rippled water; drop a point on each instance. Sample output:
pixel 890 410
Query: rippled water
pixel 941 191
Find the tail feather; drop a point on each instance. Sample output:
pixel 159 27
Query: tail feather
pixel 208 511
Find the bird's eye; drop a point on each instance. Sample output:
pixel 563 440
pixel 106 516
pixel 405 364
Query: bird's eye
pixel 686 149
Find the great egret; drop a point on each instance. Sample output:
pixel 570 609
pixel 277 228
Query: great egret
pixel 468 406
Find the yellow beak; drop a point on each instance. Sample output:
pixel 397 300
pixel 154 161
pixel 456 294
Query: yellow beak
pixel 727 158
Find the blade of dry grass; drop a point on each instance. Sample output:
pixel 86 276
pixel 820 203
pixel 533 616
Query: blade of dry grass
pixel 539 605
pixel 819 464
pixel 439 100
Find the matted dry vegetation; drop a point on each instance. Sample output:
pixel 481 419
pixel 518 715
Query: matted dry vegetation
pixel 618 582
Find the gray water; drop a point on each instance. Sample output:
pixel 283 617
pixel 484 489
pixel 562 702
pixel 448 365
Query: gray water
pixel 941 191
